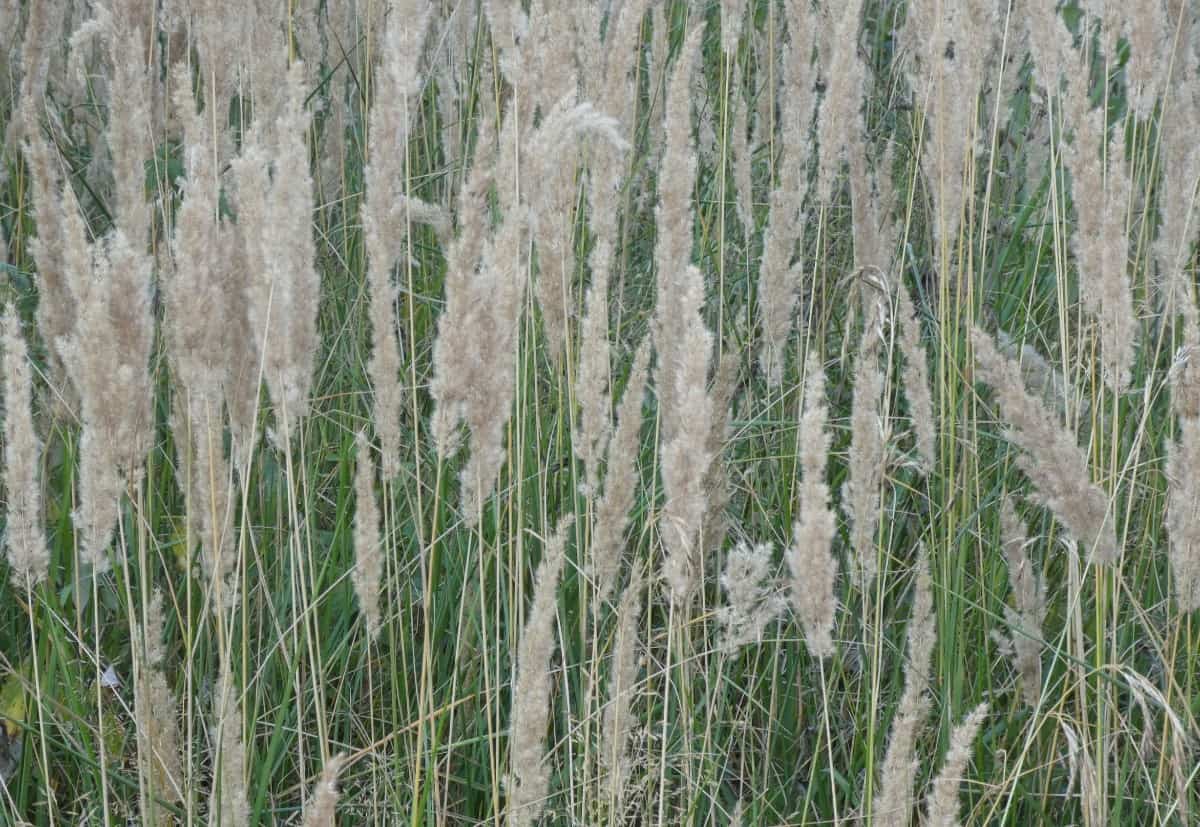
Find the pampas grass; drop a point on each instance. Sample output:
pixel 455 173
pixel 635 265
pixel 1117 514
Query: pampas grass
pixel 644 443
pixel 25 538
pixel 529 778
pixel 1052 460
pixel 810 557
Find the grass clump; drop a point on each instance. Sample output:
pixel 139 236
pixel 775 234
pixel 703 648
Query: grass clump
pixel 763 412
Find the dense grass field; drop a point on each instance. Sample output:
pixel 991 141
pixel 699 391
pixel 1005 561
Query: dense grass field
pixel 589 412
